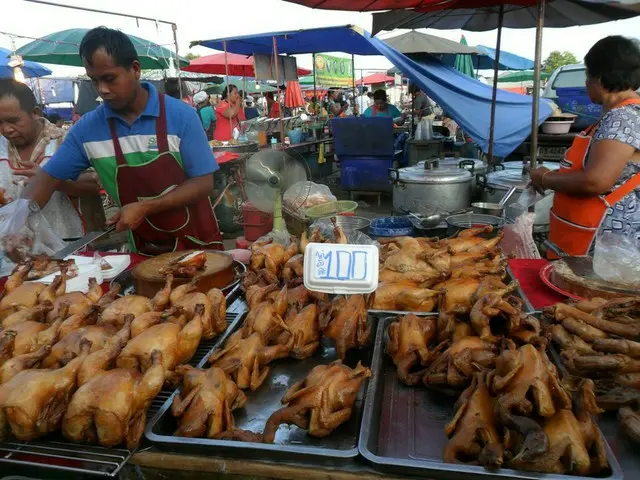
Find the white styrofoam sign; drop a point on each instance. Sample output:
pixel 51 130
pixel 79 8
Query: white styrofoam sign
pixel 343 269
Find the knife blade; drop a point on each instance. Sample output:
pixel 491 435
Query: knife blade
pixel 73 247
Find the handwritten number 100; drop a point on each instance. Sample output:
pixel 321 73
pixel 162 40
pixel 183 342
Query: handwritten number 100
pixel 336 265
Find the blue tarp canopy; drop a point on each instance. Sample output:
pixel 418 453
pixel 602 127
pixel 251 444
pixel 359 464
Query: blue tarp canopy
pixel 30 69
pixel 466 100
pixel 484 61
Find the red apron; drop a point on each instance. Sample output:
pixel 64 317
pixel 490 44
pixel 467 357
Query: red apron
pixel 574 220
pixel 190 226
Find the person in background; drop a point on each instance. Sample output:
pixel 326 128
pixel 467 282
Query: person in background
pixel 363 101
pixel 261 103
pixel 229 114
pixel 205 112
pixel 334 106
pixel 27 143
pixel 56 120
pixel 316 108
pixel 250 110
pixel 273 107
pixel 382 108
pixel 421 104
pixel 597 188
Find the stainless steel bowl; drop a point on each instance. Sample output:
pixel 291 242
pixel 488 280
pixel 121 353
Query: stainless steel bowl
pixel 488 208
pixel 457 223
pixel 348 223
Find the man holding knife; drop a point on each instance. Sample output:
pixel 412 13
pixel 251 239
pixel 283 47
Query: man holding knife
pixel 148 149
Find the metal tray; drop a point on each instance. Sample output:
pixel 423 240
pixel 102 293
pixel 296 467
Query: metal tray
pixel 526 304
pixel 403 429
pixel 54 452
pixel 292 443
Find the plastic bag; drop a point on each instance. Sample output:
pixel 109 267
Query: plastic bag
pixel 305 194
pixel 24 233
pixel 616 258
pixel 354 237
pixel 518 237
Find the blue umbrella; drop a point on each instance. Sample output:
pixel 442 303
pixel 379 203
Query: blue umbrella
pixel 30 69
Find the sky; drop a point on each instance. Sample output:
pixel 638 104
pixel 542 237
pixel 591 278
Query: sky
pixel 209 19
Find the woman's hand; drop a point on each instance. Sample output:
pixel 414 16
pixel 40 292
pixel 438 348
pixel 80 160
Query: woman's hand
pixel 536 178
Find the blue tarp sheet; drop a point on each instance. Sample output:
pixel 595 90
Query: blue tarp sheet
pixel 508 61
pixel 466 100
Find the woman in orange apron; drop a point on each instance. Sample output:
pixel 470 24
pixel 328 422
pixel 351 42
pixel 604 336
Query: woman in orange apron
pixel 597 187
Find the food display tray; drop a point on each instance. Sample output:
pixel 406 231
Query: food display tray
pixel 403 429
pixel 526 304
pixel 291 443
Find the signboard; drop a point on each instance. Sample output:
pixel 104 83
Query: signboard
pixel 264 68
pixel 332 71
pixel 341 269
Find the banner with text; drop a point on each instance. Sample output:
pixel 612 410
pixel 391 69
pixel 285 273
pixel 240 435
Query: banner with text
pixel 333 71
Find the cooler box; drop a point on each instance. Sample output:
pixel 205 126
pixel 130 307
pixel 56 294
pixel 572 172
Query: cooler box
pixel 576 100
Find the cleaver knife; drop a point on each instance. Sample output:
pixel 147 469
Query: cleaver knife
pixel 76 245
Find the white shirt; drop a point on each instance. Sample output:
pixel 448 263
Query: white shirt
pixel 363 102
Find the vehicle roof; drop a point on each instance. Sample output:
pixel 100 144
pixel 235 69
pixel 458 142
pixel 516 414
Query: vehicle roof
pixel 575 66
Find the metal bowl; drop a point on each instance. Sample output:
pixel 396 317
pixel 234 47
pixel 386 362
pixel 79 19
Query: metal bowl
pixel 488 208
pixel 348 223
pixel 457 223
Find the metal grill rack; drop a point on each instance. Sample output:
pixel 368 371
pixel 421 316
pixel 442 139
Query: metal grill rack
pixel 56 453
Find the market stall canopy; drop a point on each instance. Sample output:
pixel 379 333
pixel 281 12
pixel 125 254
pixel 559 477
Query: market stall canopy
pixel 480 16
pixel 239 65
pixel 466 100
pixel 524 76
pixel 374 78
pixel 251 87
pixel 485 61
pixel 29 69
pixel 306 80
pixel 417 42
pixel 61 48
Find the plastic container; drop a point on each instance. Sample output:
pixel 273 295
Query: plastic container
pixel 295 135
pixel 557 128
pixel 330 209
pixel 390 227
pixel 576 100
pixel 256 223
pixel 365 174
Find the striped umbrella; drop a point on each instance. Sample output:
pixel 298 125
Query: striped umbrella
pixel 464 63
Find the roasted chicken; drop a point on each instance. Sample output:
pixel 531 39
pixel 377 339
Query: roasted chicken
pixel 187 265
pixel 213 318
pixel 69 346
pixel 404 296
pixel 408 346
pixel 304 328
pixel 346 323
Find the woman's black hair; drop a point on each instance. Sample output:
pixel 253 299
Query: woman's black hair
pixel 227 91
pixel 115 43
pixel 380 95
pixel 615 61
pixel 12 88
pixel 269 95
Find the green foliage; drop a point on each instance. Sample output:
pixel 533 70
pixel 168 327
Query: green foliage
pixel 558 59
pixel 191 56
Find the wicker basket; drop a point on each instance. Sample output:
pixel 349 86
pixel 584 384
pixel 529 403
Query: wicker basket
pixel 329 209
pixel 297 222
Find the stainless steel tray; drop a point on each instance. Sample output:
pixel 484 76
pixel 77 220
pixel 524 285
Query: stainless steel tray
pixel 526 305
pixel 403 428
pixel 292 443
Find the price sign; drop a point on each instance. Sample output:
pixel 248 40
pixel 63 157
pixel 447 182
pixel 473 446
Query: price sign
pixel 343 269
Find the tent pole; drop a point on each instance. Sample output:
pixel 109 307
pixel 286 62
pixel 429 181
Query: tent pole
pixel 226 75
pixel 315 92
pixel 353 81
pixel 275 60
pixel 174 27
pixel 494 95
pixel 535 110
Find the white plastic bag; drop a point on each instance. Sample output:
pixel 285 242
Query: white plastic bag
pixel 616 258
pixel 518 237
pixel 305 194
pixel 354 237
pixel 23 232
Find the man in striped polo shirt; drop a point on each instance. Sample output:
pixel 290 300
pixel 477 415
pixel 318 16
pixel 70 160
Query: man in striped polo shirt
pixel 148 149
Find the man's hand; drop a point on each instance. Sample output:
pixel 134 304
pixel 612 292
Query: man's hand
pixel 129 216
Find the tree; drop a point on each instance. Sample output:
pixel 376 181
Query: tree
pixel 558 59
pixel 191 56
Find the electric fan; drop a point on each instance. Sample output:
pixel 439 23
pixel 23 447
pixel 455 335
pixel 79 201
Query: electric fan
pixel 268 175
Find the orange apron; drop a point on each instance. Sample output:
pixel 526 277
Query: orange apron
pixel 574 220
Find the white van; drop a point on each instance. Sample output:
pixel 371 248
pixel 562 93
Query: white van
pixel 569 76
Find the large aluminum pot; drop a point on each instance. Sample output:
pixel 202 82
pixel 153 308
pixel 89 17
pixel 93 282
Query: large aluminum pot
pixel 429 191
pixel 496 184
pixel 475 166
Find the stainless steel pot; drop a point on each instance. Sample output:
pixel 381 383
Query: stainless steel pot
pixel 475 166
pixel 428 191
pixel 496 184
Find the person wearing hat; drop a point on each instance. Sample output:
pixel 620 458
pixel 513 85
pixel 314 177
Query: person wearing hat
pixel 206 113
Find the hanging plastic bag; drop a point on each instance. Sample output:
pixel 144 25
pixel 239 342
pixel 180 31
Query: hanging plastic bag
pixel 24 232
pixel 305 194
pixel 616 258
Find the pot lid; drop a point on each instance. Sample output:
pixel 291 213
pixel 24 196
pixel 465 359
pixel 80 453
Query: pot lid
pixel 513 177
pixel 478 165
pixel 417 174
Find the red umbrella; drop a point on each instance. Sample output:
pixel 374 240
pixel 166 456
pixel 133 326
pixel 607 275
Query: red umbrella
pixel 379 77
pixel 293 96
pixel 239 65
pixel 364 5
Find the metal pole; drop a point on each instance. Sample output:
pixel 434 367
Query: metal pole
pixel 536 85
pixel 315 93
pixel 226 74
pixel 275 59
pixel 496 67
pixel 174 27
pixel 353 83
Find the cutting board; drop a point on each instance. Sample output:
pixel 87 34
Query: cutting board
pixel 563 277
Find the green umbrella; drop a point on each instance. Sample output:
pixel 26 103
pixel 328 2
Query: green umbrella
pixel 464 63
pixel 61 48
pixel 306 80
pixel 252 87
pixel 521 76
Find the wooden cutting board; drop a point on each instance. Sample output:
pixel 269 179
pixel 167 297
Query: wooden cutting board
pixel 563 277
pixel 218 273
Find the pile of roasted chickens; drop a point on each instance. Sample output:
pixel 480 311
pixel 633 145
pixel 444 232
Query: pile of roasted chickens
pixel 600 340
pixel 415 272
pixel 284 320
pixel 512 410
pixel 90 364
